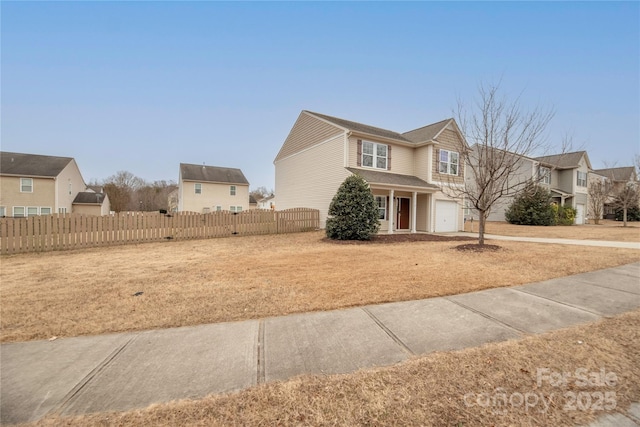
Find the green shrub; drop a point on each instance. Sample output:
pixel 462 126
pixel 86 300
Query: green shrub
pixel 531 207
pixel 565 215
pixel 353 213
pixel 633 214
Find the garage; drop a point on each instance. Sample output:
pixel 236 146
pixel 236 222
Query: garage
pixel 579 214
pixel 446 216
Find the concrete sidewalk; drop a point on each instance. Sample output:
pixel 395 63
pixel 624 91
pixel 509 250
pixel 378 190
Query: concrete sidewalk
pixel 132 370
pixel 576 242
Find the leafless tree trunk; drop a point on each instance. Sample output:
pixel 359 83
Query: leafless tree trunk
pixel 627 198
pixel 498 133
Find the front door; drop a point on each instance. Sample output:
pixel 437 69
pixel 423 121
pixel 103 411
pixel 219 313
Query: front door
pixel 402 219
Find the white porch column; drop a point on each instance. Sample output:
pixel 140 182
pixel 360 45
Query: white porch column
pixel 392 213
pixel 414 207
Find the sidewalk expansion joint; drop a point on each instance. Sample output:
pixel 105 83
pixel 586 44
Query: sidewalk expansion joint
pixel 486 316
pixel 260 379
pixel 561 303
pixel 608 287
pixel 386 330
pixel 75 391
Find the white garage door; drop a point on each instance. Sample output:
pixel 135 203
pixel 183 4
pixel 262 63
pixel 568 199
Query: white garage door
pixel 446 216
pixel 579 214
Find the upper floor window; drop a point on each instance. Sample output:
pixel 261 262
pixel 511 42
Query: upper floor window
pixel 375 155
pixel 26 185
pixel 448 162
pixel 582 179
pixel 232 190
pixel 544 174
pixel 197 188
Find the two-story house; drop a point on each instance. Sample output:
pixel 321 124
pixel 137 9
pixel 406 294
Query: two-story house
pixel 408 173
pixel 619 178
pixel 32 184
pixel 566 176
pixel 207 189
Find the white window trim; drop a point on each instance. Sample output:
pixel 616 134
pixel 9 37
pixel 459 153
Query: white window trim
pixel 375 156
pixel 544 173
pixel 3 211
pixel 583 180
pixel 34 208
pixel 235 208
pixel 232 190
pixel 197 188
pixel 45 207
pixel 448 164
pixel 22 186
pixel 62 210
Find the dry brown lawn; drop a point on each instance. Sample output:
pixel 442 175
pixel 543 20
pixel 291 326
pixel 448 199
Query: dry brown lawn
pixel 431 390
pixel 87 292
pixel 606 230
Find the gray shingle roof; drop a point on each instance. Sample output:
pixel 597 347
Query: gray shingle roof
pixel 212 174
pixel 426 133
pixel 89 197
pixel 563 161
pixel 31 164
pixel 359 127
pixel 375 177
pixel 619 174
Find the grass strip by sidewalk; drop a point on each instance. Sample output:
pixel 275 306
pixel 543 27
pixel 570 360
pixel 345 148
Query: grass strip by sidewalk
pixel 497 384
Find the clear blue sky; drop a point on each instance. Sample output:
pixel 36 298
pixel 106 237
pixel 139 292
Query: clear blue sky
pixel 144 86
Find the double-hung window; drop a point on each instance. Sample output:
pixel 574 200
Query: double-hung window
pixel 448 162
pixel 235 208
pixel 232 190
pixel 197 188
pixel 26 185
pixel 381 201
pixel 32 211
pixel 582 179
pixel 375 155
pixel 19 211
pixel 544 174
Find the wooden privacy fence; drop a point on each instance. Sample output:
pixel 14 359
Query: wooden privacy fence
pixel 60 231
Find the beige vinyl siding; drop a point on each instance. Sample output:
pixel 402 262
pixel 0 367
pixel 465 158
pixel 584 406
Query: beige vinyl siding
pixel 422 212
pixel 307 132
pixel 43 194
pixel 421 163
pixel 87 210
pixel 69 175
pixel 311 178
pixel 213 195
pixel 449 140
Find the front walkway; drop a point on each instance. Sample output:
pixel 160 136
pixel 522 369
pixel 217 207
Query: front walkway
pixel 119 372
pixel 578 242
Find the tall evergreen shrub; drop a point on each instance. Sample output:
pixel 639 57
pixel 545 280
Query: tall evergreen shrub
pixel 353 212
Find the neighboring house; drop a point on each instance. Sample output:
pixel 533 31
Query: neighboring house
pixel 525 170
pixel 619 177
pixel 32 184
pixel 253 203
pixel 406 172
pixel 206 189
pixel 567 180
pixel 91 203
pixel 268 202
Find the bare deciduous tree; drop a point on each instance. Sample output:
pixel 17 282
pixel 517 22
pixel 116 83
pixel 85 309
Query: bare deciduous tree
pixel 599 193
pixel 626 198
pixel 498 133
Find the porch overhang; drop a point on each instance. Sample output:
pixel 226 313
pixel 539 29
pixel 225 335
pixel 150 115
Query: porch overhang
pixel 394 181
